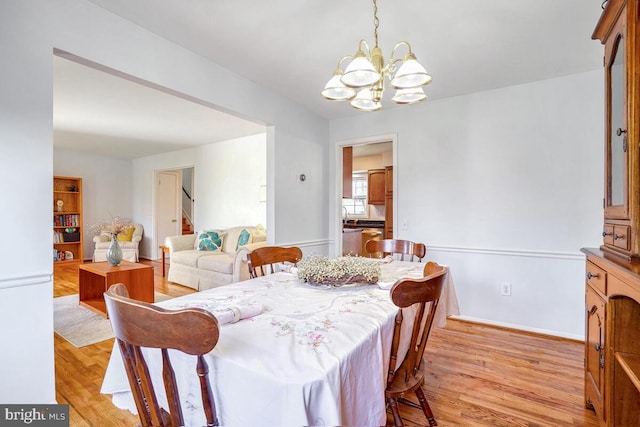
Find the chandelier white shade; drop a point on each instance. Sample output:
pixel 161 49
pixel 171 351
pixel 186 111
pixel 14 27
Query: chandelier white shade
pixel 409 96
pixel 362 81
pixel 336 90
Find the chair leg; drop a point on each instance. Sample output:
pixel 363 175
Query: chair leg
pixel 397 421
pixel 425 407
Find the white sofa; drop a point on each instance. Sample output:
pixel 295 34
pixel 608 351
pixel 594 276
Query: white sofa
pixel 129 249
pixel 205 269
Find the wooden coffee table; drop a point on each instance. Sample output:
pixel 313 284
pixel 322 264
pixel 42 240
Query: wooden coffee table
pixel 96 277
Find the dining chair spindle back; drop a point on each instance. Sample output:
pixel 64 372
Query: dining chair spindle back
pixel 263 260
pixel 409 376
pixel 137 324
pixel 381 248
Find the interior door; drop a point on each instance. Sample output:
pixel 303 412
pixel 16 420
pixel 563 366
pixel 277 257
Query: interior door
pixel 168 184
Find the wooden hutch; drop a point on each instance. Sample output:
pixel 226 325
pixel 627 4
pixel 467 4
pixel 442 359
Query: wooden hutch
pixel 612 297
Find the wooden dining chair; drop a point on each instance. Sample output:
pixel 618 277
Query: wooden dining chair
pixel 137 324
pixel 393 246
pixel 263 260
pixel 409 376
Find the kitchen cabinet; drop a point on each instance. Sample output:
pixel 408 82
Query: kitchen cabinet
pixel 347 172
pixel 388 202
pixel 376 187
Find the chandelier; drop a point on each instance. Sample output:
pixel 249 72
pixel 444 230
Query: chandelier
pixel 362 81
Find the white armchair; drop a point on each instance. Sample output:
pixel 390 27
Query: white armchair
pixel 129 248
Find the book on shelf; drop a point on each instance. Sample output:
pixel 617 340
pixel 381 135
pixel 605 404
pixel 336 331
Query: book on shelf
pixel 66 220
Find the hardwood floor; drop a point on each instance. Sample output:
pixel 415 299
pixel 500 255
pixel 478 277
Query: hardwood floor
pixel 478 375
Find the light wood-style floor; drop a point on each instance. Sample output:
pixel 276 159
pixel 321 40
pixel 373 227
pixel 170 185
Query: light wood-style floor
pixel 479 375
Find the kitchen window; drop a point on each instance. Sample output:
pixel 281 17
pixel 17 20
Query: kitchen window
pixel 357 206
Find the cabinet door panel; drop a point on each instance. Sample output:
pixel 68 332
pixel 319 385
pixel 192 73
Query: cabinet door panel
pixel 376 187
pixel 595 349
pixel 616 191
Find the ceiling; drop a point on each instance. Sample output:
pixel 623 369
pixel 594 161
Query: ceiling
pixel 292 47
pixel 99 113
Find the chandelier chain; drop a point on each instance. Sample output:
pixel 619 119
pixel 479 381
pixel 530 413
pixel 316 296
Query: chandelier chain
pixel 376 22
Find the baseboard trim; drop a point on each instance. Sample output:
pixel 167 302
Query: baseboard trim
pixel 520 328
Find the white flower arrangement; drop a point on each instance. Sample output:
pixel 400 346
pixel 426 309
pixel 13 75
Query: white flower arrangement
pixel 113 226
pixel 322 270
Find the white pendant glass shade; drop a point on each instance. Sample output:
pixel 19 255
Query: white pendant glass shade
pixel 359 73
pixel 335 90
pixel 410 74
pixel 409 96
pixel 363 101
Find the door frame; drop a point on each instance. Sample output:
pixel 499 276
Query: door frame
pixel 337 212
pixel 155 208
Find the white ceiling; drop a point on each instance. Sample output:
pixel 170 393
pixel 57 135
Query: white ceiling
pixel 103 114
pixel 292 47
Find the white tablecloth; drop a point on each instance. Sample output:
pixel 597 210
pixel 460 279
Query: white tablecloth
pixel 313 357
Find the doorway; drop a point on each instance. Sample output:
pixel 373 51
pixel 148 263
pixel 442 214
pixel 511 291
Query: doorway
pixel 167 209
pixel 373 157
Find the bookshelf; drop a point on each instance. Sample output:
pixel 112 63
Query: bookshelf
pixel 67 220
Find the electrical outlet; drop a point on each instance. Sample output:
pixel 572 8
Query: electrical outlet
pixel 505 289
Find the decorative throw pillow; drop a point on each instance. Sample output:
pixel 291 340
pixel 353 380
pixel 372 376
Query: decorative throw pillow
pixel 244 238
pixel 259 233
pixel 126 235
pixel 209 241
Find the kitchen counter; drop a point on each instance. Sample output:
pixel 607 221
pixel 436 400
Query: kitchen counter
pixel 351 230
pixel 363 223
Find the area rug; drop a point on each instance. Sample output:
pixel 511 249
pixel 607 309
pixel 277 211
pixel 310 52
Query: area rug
pixel 81 326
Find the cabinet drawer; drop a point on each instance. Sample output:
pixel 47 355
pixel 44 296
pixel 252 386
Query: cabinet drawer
pixel 607 234
pixel 620 236
pixel 597 278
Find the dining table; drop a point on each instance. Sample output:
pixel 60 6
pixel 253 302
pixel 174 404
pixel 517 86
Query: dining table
pixel 307 355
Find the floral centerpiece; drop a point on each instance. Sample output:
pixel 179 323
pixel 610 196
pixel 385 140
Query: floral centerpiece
pixel 320 270
pixel 113 226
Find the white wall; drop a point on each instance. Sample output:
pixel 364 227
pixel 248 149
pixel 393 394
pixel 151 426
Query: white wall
pixel 227 177
pixel 504 186
pixel 30 30
pixel 107 188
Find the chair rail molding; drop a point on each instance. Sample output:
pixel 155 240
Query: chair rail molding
pixel 20 281
pixel 576 256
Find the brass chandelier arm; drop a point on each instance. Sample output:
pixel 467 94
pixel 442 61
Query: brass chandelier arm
pixel 339 66
pixel 401 43
pixel 361 43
